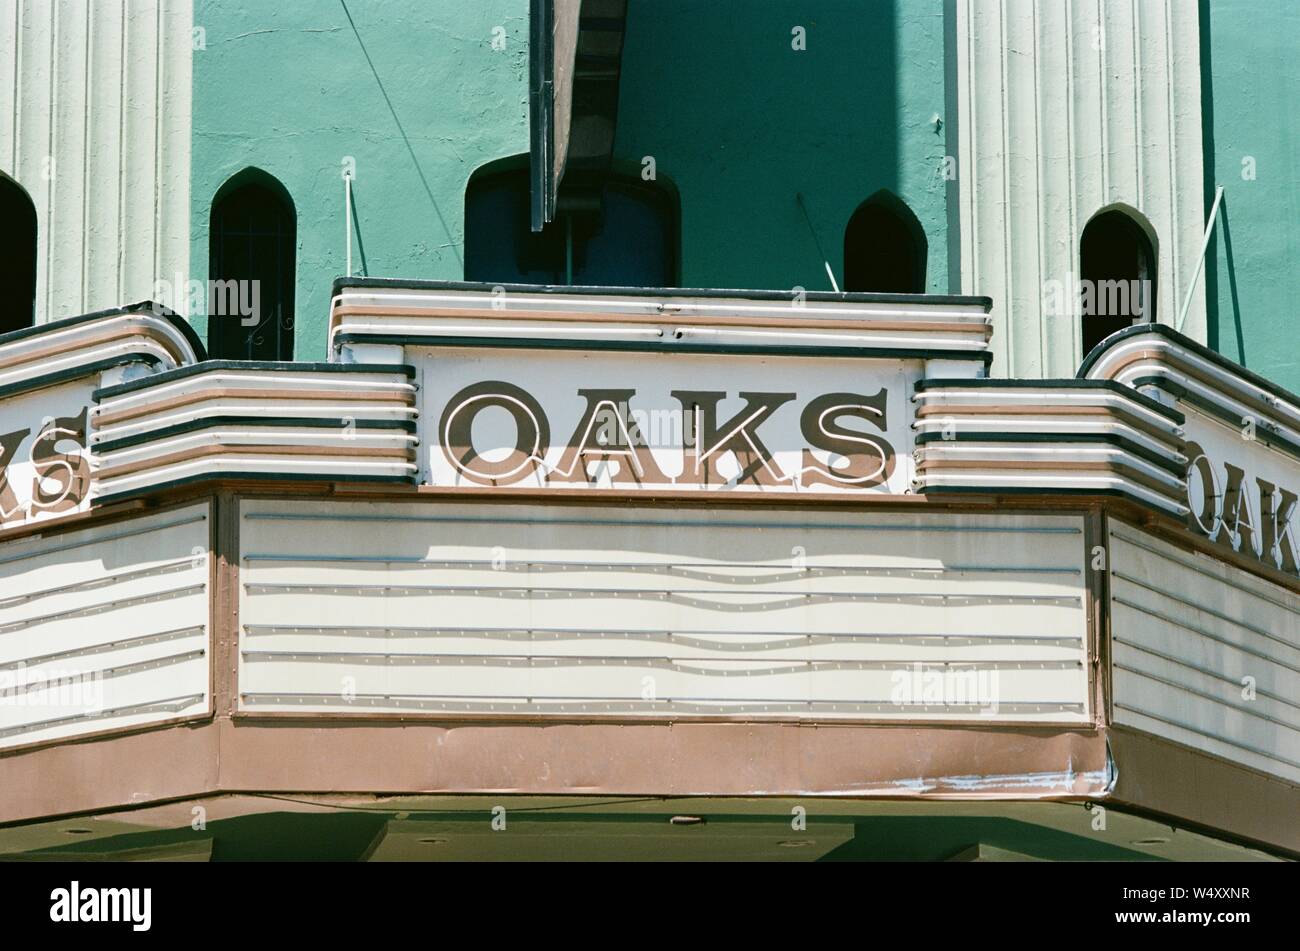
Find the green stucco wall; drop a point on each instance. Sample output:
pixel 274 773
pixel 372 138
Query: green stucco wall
pixel 1250 91
pixel 287 87
pixel 738 122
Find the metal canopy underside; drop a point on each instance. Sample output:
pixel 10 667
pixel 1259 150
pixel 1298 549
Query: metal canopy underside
pixel 428 828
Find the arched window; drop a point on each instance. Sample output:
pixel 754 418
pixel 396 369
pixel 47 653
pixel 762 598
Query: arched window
pixel 884 248
pixel 17 257
pixel 1117 276
pixel 251 270
pixel 606 232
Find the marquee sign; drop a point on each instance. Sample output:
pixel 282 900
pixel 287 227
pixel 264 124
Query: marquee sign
pixel 665 422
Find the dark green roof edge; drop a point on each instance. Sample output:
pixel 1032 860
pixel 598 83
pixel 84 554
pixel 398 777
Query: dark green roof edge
pixel 75 373
pixel 796 350
pixel 1032 490
pixel 854 297
pixel 1263 432
pixel 151 307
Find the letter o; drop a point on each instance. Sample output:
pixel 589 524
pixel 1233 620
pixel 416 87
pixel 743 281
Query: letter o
pixel 532 432
pixel 1209 502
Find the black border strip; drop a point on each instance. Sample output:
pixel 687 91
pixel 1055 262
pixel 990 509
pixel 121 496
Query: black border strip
pixel 249 477
pixel 209 422
pixel 1222 362
pixel 76 373
pixel 151 308
pixel 849 297
pixel 1120 442
pixel 1263 432
pixel 781 350
pixel 934 383
pixel 1030 490
pixel 265 366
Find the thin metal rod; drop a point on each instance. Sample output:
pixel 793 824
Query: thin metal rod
pixel 798 196
pixel 347 215
pixel 1200 260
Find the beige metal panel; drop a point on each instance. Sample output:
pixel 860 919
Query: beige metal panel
pixel 529 608
pixel 95 104
pixel 1067 108
pixel 104 627
pixel 1205 654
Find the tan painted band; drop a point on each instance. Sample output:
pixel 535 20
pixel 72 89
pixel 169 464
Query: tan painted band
pixel 1101 413
pixel 110 472
pixel 150 409
pixel 82 343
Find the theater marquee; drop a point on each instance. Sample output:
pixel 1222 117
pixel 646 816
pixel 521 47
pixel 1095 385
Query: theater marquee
pixel 513 506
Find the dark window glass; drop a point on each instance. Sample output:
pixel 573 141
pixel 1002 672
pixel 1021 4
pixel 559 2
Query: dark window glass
pixel 1117 277
pixel 611 233
pixel 884 248
pixel 251 270
pixel 17 257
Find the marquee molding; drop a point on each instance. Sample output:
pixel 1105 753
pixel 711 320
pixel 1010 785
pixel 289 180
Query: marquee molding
pixel 264 421
pixel 49 354
pixel 1159 361
pixel 1049 436
pixel 427 314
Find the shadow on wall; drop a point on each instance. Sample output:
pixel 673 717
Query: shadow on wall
pixel 744 110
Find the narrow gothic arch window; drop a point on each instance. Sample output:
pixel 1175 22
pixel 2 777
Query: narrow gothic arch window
pixel 251 270
pixel 17 256
pixel 1117 271
pixel 884 248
